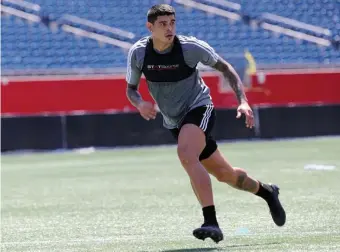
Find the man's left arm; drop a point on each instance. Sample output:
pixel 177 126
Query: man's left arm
pixel 236 84
pixel 233 79
pixel 201 51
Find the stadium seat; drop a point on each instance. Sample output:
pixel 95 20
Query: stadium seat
pixel 27 46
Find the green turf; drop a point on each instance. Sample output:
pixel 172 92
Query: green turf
pixel 141 200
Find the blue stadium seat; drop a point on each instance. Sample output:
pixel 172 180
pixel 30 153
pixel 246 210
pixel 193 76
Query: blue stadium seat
pixel 27 46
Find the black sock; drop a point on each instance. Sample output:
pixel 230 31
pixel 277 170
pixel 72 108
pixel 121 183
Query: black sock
pixel 265 192
pixel 209 214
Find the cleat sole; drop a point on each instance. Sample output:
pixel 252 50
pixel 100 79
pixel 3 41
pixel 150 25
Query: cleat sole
pixel 202 234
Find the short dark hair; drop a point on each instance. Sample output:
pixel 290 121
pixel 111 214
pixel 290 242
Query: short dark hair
pixel 160 10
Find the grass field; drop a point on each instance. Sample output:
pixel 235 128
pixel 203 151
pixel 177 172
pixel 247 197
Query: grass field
pixel 141 200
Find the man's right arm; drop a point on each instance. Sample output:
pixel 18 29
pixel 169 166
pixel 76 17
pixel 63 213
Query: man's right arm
pixel 133 95
pixel 133 75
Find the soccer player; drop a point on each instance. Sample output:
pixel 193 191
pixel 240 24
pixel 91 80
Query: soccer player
pixel 168 62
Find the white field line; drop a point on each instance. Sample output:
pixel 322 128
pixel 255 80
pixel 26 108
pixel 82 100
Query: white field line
pixel 57 241
pixel 97 161
pixel 141 238
pixel 89 240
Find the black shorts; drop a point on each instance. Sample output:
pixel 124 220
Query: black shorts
pixel 204 117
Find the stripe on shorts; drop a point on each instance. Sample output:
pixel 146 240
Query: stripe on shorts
pixel 206 116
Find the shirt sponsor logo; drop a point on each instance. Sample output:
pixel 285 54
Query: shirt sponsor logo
pixel 163 67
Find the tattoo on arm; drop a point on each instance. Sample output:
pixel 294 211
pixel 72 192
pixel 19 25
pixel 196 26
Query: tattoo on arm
pixel 232 77
pixel 133 95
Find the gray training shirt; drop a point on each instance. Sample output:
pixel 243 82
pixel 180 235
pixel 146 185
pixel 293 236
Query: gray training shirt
pixel 175 99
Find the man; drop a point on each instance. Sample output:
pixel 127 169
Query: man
pixel 168 63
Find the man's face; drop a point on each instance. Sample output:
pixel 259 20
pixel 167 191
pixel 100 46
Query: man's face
pixel 164 28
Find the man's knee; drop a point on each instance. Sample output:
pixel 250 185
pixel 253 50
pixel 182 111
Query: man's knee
pixel 234 176
pixel 222 177
pixel 191 142
pixel 186 154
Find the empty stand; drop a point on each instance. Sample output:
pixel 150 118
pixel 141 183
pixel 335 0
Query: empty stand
pixel 35 46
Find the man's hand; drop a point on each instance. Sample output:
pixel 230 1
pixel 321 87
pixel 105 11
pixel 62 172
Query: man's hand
pixel 245 109
pixel 147 110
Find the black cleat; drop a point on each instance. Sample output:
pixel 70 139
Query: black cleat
pixel 209 231
pixel 276 209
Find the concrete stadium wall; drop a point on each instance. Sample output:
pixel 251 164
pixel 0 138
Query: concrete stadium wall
pixel 108 130
pixel 54 113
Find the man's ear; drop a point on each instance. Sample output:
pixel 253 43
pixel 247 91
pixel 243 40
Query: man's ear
pixel 149 26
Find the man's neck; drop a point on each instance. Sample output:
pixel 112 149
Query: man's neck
pixel 160 46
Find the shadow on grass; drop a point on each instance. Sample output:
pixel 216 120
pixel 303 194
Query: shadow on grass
pixel 192 250
pixel 220 248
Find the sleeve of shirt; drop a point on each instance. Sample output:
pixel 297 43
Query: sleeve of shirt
pixel 133 73
pixel 200 51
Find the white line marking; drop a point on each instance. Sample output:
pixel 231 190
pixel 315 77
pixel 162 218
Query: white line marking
pixel 95 162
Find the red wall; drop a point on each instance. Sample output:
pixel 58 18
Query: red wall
pixel 98 94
